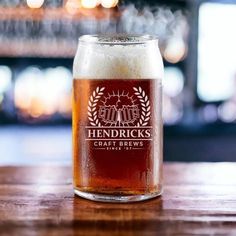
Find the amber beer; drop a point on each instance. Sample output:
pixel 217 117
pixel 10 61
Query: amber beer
pixel 117 121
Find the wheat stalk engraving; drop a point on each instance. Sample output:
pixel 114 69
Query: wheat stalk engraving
pixel 92 106
pixel 145 105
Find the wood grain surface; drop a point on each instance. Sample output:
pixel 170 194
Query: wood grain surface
pixel 198 199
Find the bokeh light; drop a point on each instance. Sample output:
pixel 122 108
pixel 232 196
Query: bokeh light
pixel 5 78
pixel 109 3
pixel 173 85
pixel 227 111
pixel 41 93
pixel 175 50
pixel 89 3
pixel 173 82
pixel 35 3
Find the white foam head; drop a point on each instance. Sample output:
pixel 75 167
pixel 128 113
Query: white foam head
pixel 118 57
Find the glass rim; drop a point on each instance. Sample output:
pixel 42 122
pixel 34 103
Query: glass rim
pixel 118 39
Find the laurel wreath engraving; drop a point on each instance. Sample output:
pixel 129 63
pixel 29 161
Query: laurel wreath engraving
pixel 92 103
pixel 145 104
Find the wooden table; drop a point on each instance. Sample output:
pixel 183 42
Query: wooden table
pixel 198 199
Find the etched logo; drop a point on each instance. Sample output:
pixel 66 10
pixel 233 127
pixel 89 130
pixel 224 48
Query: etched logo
pixel 119 108
pixel 119 119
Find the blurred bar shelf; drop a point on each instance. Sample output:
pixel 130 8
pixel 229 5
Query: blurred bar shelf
pixel 29 32
pixel 32 48
pixel 25 13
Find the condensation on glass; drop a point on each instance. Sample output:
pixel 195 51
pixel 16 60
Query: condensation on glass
pixel 117 118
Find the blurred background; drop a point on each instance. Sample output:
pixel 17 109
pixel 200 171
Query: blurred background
pixel 38 40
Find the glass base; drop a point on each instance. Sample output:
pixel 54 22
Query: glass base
pixel 114 198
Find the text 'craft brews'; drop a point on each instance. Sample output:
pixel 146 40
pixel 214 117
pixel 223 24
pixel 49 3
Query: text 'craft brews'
pixel 117 121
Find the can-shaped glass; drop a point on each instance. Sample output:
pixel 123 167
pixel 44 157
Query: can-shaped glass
pixel 117 118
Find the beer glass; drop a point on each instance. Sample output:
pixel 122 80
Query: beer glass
pixel 117 118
